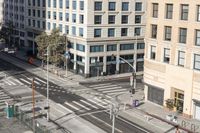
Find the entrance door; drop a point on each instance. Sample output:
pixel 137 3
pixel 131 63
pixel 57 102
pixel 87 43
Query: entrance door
pixel 197 111
pixel 179 101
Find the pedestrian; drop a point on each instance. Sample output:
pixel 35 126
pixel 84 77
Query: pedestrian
pixel 177 129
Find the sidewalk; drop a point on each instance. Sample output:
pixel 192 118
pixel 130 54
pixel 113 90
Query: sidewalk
pixel 149 115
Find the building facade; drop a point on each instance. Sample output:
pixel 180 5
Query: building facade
pixel 96 29
pixel 14 16
pixel 172 54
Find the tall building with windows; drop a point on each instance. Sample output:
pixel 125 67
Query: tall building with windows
pixel 14 16
pixel 1 12
pixel 172 54
pixel 96 29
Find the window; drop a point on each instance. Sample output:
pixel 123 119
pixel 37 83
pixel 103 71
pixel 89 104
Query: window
pixel 81 19
pixel 166 55
pixel 126 46
pixel 73 30
pixel 124 19
pixel 33 22
pixel 54 3
pixel 97 6
pixel 38 24
pixel 153 31
pixel 111 32
pixel 182 35
pixel 60 27
pixel 74 18
pixel 181 58
pixel 97 48
pixel 33 13
pixel 153 53
pixel 49 26
pixel 137 31
pixel 80 47
pixel 168 32
pixel 140 45
pixel 97 32
pixel 81 5
pixel 67 17
pixel 49 3
pixel 49 14
pixel 111 6
pixel 184 12
pixel 60 16
pixel 125 6
pixel 43 14
pixel 97 19
pixel 155 10
pixel 111 19
pixel 80 31
pixel 111 47
pixel 67 4
pixel 66 29
pixel 137 19
pixel 138 6
pixel 54 15
pixel 54 25
pixel 124 31
pixel 61 4
pixel 38 3
pixel 197 43
pixel 43 24
pixel 29 12
pixel 169 11
pixel 140 56
pixel 74 5
pixel 43 3
pixel 197 61
pixel 198 13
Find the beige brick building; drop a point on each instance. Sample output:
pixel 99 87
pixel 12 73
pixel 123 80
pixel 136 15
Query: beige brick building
pixel 172 55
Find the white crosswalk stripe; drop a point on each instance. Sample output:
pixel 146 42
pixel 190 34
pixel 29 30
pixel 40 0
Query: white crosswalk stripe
pixel 81 105
pixel 72 106
pixel 25 81
pixel 89 104
pixel 97 103
pixel 40 80
pixel 18 81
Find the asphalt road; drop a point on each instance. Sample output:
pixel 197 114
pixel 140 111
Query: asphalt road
pixel 61 95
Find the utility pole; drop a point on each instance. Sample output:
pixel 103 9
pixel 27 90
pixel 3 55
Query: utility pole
pixel 47 83
pixel 33 101
pixel 114 109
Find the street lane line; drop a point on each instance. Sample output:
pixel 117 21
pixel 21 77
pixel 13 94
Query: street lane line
pixel 72 106
pixel 12 82
pixel 115 93
pixel 40 80
pixel 81 105
pixel 65 108
pixel 100 101
pixel 112 88
pixel 106 86
pixel 118 130
pixel 18 81
pixel 107 101
pixel 89 104
pixel 25 81
pixel 99 85
pixel 96 103
pixel 108 91
pixel 32 80
pixel 7 82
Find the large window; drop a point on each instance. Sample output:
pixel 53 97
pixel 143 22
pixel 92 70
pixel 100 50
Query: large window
pixel 67 17
pixel 111 47
pixel 197 61
pixel 124 31
pixel 153 31
pixel 97 6
pixel 54 15
pixel 184 12
pixel 125 6
pixel 111 6
pixel 54 3
pixel 97 19
pixel 74 5
pixel 138 6
pixel 181 58
pixel 197 42
pixel 80 31
pixel 111 19
pixel 111 32
pixel 155 10
pixel 198 13
pixel 97 48
pixel 74 18
pixel 49 3
pixel 140 45
pixel 61 4
pixel 168 32
pixel 153 52
pixel 81 5
pixel 81 19
pixel 169 11
pixel 124 19
pixel 137 31
pixel 97 32
pixel 67 4
pixel 166 58
pixel 182 35
pixel 80 47
pixel 60 16
pixel 73 30
pixel 138 19
pixel 126 46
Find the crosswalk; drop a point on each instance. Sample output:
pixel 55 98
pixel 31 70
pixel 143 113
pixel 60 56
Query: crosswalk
pixel 3 98
pixel 109 89
pixel 85 105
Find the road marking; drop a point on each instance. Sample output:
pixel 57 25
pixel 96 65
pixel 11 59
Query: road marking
pixel 25 81
pixel 71 106
pixel 107 101
pixel 118 130
pixel 115 93
pixel 99 85
pixel 100 101
pixel 106 86
pixel 102 89
pixel 18 81
pixel 12 82
pixel 96 103
pixel 32 80
pixel 81 105
pixel 89 104
pixel 7 82
pixel 114 90
pixel 65 108
pixel 40 80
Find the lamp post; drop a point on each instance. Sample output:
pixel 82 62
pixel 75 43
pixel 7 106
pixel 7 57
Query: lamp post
pixel 47 83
